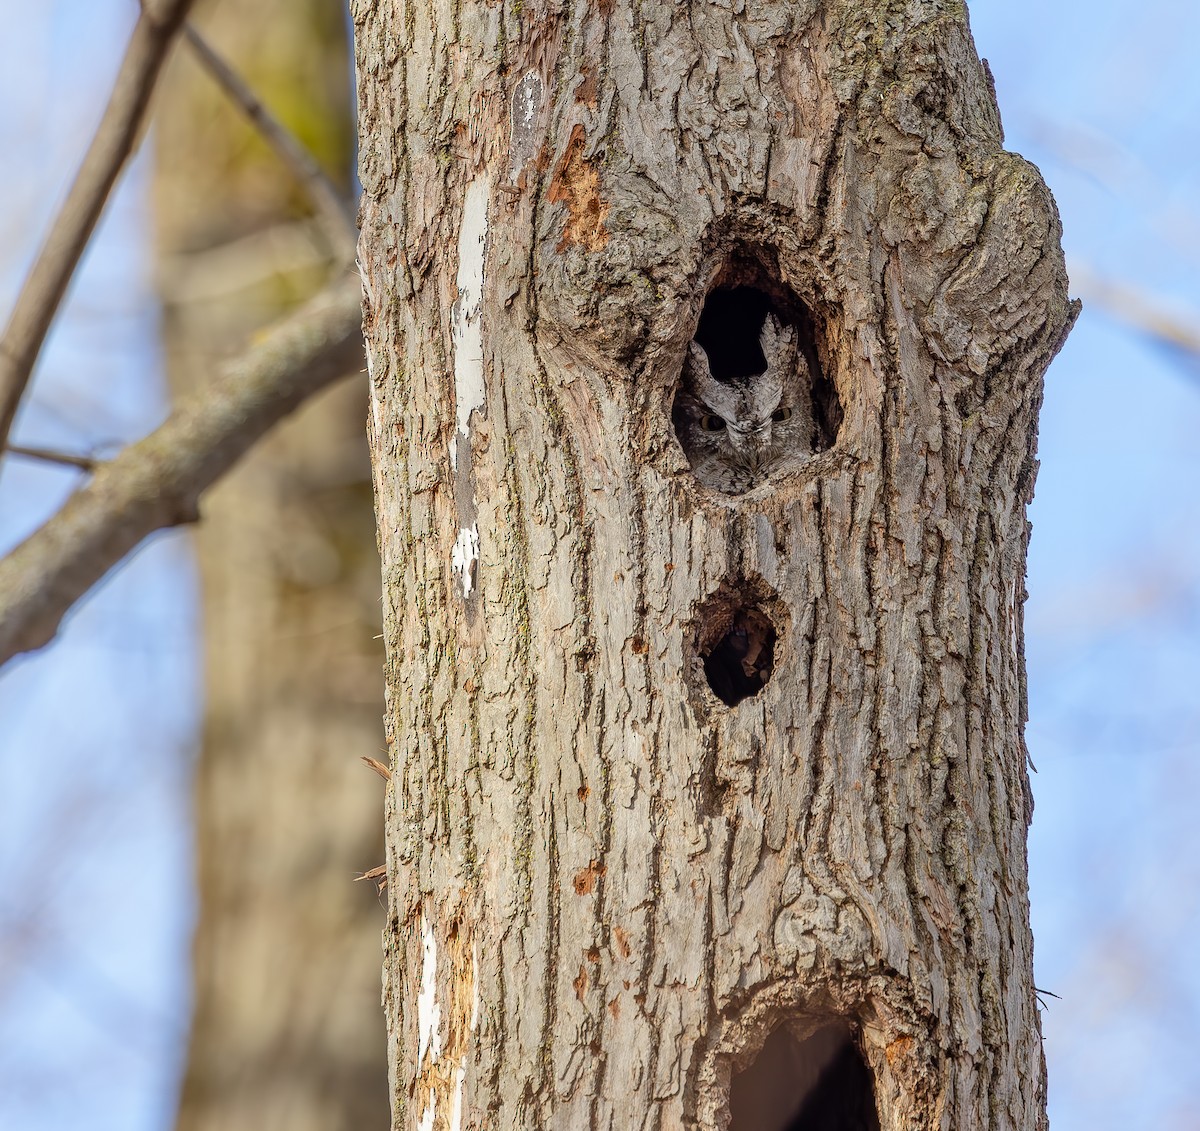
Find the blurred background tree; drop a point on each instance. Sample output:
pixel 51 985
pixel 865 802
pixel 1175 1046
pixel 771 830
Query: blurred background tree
pixel 287 1031
pixel 286 1027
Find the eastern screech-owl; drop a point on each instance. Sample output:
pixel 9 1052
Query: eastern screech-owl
pixel 735 434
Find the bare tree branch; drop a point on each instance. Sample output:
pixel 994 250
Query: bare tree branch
pixel 157 482
pixel 114 141
pixel 337 220
pixel 1137 310
pixel 49 455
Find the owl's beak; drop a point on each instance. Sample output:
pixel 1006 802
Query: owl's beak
pixel 742 435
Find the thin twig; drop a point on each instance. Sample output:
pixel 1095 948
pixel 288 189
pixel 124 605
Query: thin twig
pixel 114 141
pixel 378 875
pixel 378 767
pixel 157 482
pixel 336 218
pixel 49 455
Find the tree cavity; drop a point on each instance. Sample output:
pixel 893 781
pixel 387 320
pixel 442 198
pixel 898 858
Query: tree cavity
pixel 751 402
pixel 736 642
pixel 817 1084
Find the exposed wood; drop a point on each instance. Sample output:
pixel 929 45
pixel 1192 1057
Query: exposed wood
pixel 608 888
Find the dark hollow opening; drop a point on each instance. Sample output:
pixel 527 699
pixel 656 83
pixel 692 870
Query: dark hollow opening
pixel 730 324
pixel 741 661
pixel 820 1084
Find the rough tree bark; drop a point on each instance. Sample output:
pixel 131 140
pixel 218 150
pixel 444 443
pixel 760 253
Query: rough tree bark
pixel 287 1030
pixel 609 889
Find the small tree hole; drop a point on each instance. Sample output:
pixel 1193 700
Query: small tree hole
pixel 817 1084
pixel 741 658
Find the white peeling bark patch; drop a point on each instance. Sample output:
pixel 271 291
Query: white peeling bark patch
pixel 376 403
pixel 427 1116
pixel 469 391
pixel 429 1013
pixel 464 556
pixel 460 1076
pixel 526 103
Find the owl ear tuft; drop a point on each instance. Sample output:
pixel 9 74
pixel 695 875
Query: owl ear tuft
pixel 778 343
pixel 697 373
pixel 696 362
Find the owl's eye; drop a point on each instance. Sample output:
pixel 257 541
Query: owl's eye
pixel 711 422
pixel 781 414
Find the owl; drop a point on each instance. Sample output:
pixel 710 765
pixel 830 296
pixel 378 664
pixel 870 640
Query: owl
pixel 736 434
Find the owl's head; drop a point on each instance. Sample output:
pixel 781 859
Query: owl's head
pixel 736 433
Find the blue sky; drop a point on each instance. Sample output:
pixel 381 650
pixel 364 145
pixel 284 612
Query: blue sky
pixel 1104 99
pixel 97 733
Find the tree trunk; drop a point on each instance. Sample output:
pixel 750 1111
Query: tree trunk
pixel 287 1030
pixel 621 897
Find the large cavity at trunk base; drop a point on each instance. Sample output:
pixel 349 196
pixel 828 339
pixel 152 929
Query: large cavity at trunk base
pixel 818 1084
